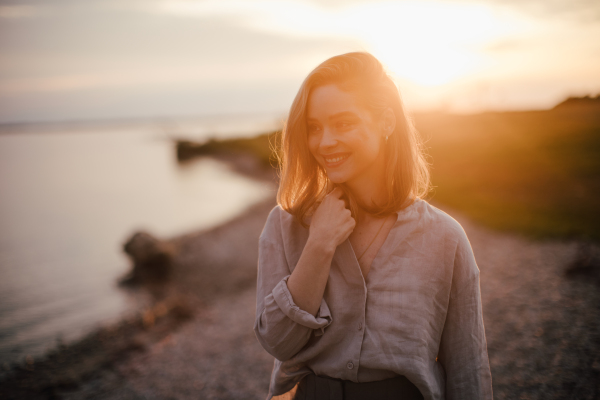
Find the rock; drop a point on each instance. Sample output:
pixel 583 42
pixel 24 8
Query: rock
pixel 586 264
pixel 152 258
pixel 187 150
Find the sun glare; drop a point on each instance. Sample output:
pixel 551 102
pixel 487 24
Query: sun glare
pixel 429 43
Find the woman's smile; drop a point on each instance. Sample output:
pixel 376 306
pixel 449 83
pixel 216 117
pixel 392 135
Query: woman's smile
pixel 335 160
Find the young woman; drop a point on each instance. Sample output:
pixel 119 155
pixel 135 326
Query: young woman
pixel 365 291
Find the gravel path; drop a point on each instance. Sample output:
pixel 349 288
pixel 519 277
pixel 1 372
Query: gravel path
pixel 542 328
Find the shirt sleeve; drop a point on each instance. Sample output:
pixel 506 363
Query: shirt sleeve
pixel 282 328
pixel 463 347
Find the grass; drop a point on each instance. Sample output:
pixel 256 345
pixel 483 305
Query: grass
pixel 535 172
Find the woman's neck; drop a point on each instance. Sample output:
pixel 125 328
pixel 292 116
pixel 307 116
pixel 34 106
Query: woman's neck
pixel 368 191
pixel 368 187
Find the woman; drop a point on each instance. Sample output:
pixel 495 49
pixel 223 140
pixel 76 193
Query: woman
pixel 365 291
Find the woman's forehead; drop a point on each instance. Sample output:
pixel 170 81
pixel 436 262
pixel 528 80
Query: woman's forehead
pixel 329 100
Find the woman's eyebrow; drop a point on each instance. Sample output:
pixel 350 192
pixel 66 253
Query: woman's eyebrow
pixel 343 114
pixel 334 116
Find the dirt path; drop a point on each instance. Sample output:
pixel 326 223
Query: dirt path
pixel 542 328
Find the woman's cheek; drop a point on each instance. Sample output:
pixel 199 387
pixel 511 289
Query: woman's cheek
pixel 313 144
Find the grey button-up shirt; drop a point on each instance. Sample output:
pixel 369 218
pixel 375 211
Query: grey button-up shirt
pixel 417 314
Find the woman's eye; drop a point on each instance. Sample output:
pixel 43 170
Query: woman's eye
pixel 344 124
pixel 313 128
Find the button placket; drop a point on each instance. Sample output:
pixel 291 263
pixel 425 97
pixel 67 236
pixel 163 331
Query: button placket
pixel 357 278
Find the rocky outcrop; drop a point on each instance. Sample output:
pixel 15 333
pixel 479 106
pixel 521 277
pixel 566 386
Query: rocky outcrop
pixel 152 258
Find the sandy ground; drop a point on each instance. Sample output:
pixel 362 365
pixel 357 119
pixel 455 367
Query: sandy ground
pixel 542 327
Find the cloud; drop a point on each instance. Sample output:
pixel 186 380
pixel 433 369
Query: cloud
pixel 74 52
pixel 19 11
pixel 586 11
pixel 49 84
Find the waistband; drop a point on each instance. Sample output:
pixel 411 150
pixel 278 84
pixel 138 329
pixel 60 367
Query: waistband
pixel 313 387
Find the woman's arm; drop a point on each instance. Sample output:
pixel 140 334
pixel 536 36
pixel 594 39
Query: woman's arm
pixel 463 347
pixel 331 224
pixel 290 307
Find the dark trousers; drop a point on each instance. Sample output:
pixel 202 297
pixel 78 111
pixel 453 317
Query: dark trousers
pixel 314 387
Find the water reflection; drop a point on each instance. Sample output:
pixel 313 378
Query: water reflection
pixel 67 202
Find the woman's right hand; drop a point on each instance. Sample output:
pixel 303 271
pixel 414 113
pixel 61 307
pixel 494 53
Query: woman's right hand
pixel 332 222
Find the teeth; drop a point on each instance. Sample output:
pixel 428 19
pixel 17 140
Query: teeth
pixel 333 160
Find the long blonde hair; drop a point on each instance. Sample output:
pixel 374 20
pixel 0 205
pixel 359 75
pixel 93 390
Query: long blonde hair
pixel 303 182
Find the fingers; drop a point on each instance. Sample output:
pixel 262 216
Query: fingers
pixel 337 198
pixel 332 218
pixel 349 226
pixel 347 214
pixel 351 223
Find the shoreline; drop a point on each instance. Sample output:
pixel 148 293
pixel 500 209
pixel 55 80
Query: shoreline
pixel 200 279
pixel 184 296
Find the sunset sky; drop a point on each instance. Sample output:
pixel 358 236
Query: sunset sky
pixel 73 60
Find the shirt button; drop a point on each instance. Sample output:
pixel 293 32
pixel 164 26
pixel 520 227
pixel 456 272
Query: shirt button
pixel 359 326
pixel 350 365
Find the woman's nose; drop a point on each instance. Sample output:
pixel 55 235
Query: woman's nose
pixel 328 139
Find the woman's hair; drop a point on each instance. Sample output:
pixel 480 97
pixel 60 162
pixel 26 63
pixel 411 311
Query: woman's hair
pixel 303 182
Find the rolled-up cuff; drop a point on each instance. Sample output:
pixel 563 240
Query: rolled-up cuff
pixel 284 300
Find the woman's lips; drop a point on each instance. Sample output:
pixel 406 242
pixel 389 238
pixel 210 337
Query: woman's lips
pixel 334 160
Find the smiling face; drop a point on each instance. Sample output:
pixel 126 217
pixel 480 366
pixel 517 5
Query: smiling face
pixel 344 137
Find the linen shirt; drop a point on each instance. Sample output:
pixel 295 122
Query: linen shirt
pixel 417 313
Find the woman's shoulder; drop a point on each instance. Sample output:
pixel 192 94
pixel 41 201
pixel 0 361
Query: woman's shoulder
pixel 438 220
pixel 280 224
pixel 279 216
pixel 445 230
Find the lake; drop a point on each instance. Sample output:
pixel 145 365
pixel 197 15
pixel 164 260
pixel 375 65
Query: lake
pixel 71 196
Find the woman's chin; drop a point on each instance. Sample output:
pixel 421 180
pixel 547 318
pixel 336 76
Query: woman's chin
pixel 337 178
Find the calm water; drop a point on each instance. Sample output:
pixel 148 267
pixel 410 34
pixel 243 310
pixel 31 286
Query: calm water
pixel 69 198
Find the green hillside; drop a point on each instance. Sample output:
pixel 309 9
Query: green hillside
pixel 535 172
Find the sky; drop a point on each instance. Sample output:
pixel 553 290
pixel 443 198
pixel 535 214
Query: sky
pixel 74 60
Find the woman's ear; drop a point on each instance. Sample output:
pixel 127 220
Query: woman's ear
pixel 387 122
